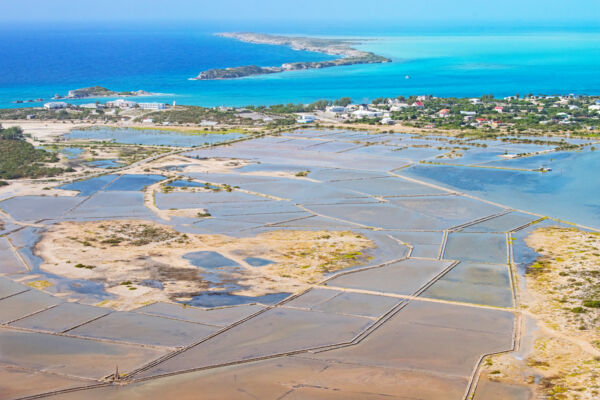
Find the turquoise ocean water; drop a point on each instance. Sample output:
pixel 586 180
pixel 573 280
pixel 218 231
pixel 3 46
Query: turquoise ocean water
pixel 42 61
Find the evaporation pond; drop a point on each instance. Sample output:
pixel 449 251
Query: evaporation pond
pixel 151 137
pixel 184 183
pixel 72 152
pixel 90 186
pixel 209 260
pixel 111 163
pixel 134 182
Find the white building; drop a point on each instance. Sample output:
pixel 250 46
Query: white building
pixel 55 105
pixel 475 100
pixel 306 119
pixel 152 106
pixel 399 106
pixel 121 103
pixel 367 114
pixel 91 106
pixel 336 109
pixel 387 121
pixel 208 123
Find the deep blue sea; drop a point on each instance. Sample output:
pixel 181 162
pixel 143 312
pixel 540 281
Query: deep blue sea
pixel 40 61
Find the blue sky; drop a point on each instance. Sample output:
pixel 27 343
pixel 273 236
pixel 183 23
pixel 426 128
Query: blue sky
pixel 402 11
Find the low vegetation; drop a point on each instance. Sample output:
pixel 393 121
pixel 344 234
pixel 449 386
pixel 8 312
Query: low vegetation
pixel 20 159
pixel 563 295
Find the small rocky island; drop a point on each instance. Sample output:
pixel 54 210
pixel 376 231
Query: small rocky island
pixel 99 91
pixel 90 92
pixel 336 47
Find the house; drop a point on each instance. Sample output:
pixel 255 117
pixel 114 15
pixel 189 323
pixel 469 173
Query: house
pixel 366 114
pixel 499 109
pixel 594 107
pixel 418 104
pixel 387 121
pixel 153 106
pixel 55 105
pixel 573 107
pixel 148 121
pixel 306 119
pixel 475 100
pixel 469 113
pixel 444 113
pixel 399 106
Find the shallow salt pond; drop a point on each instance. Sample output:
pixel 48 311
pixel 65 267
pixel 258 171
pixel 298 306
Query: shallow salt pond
pixel 477 247
pixel 503 223
pixel 10 263
pixel 487 284
pixel 105 164
pixel 72 152
pixel 134 182
pixel 35 208
pixel 90 186
pixel 258 262
pixel 275 331
pixel 71 356
pixel 217 317
pixel 186 183
pixel 150 137
pixel 568 192
pixel 404 277
pixel 220 299
pixel 113 204
pixel 209 260
pixel 433 337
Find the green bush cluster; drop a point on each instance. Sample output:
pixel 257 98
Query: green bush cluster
pixel 19 159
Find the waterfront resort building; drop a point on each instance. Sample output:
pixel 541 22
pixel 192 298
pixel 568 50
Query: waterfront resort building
pixel 55 105
pixel 152 106
pixel 121 103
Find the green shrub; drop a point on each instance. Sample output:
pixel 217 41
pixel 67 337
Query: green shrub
pixel 592 303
